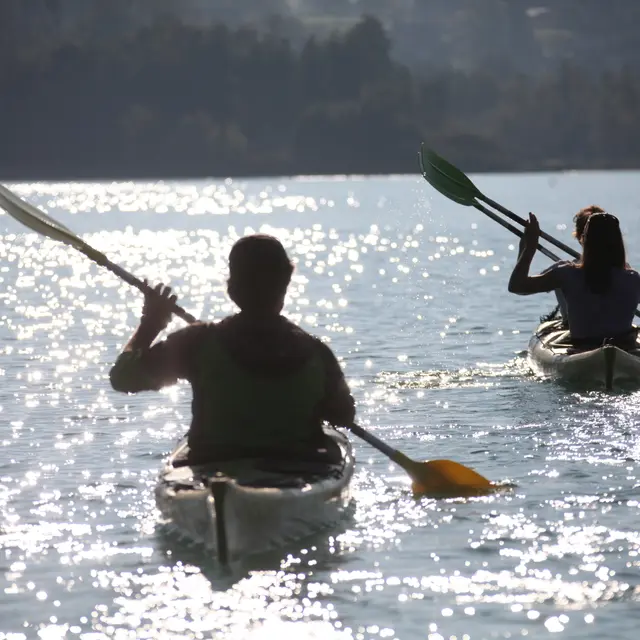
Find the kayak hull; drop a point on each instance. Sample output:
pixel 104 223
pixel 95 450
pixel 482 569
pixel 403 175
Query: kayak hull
pixel 238 508
pixel 551 355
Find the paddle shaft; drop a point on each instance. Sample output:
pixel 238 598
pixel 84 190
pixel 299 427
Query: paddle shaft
pixel 129 278
pixel 369 438
pixel 516 218
pixel 37 221
pixel 542 249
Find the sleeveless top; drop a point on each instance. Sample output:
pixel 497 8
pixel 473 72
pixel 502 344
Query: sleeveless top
pixel 593 315
pixel 562 302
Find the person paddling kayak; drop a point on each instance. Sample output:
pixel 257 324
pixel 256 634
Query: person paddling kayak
pixel 580 222
pixel 601 291
pixel 261 385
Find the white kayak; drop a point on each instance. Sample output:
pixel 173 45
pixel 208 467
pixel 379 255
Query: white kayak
pixel 247 506
pixel 551 354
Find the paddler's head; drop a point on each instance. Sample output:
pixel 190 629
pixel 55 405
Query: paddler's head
pixel 259 274
pixel 581 218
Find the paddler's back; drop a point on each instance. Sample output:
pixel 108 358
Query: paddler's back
pixel 599 314
pixel 259 385
pixel 256 385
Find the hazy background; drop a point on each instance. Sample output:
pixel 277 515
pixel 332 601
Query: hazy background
pixel 152 88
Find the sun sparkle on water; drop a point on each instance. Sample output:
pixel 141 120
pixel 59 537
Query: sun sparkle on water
pixel 411 298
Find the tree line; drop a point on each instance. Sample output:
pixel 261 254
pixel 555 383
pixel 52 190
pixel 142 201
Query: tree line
pixel 173 100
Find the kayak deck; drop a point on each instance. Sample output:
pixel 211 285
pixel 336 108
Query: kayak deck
pixel 247 506
pixel 551 354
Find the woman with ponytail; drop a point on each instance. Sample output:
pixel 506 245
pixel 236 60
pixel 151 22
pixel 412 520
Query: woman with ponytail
pixel 600 290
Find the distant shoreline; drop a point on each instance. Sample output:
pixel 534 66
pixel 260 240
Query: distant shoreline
pixel 142 177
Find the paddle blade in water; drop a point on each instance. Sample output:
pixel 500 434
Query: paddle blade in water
pixel 446 478
pixel 447 179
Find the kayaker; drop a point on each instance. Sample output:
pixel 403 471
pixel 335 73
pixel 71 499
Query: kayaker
pixel 262 386
pixel 600 289
pixel 579 221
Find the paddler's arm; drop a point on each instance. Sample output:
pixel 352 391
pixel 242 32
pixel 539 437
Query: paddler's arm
pixel 142 367
pixel 338 406
pixel 520 281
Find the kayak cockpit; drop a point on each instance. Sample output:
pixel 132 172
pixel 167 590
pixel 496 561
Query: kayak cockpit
pixel 246 506
pixel 554 335
pixel 603 363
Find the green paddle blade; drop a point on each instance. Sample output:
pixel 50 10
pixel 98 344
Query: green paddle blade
pixel 447 179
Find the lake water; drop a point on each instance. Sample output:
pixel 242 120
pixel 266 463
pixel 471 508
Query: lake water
pixel 410 289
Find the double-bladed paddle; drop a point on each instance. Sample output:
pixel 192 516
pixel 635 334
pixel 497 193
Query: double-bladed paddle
pixel 45 225
pixel 438 478
pixel 435 478
pixel 457 186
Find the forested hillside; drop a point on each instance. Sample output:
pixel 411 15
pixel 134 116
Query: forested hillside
pixel 133 95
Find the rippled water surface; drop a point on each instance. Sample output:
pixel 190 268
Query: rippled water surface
pixel 410 290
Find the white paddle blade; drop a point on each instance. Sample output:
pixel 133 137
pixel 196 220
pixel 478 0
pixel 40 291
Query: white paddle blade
pixel 37 220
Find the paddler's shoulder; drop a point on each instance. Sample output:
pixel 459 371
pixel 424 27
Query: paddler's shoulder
pixel 300 333
pixel 318 345
pixel 194 333
pixel 632 277
pixel 560 264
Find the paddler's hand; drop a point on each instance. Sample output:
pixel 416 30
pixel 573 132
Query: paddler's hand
pixel 158 307
pixel 529 241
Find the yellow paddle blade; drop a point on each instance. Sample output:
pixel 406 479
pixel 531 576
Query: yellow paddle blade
pixel 436 478
pixel 446 478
